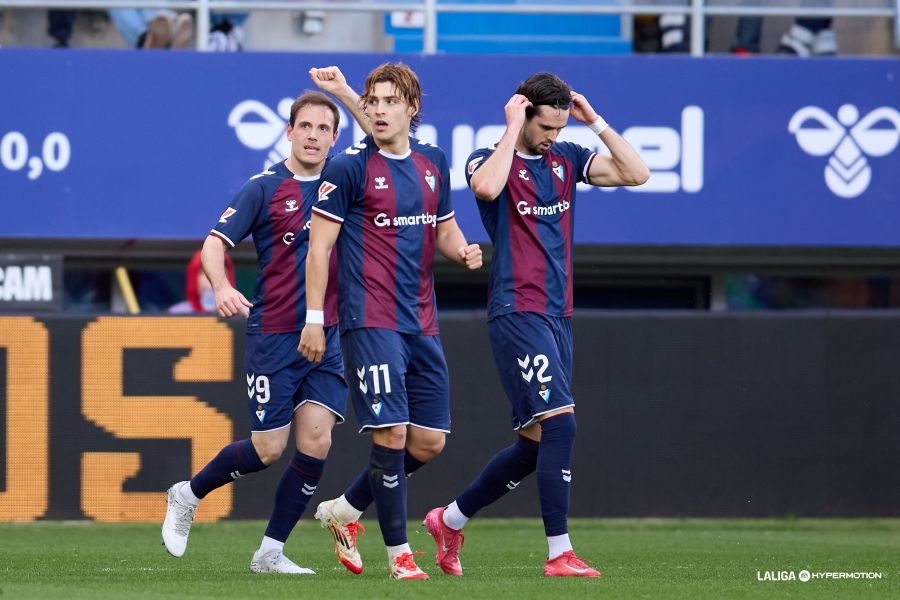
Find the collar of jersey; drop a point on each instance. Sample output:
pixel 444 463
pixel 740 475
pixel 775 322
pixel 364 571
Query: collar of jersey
pixel 528 156
pixel 307 177
pixel 395 156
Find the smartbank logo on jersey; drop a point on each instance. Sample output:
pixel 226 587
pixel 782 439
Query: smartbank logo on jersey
pixel 848 140
pixel 524 208
pixel 383 220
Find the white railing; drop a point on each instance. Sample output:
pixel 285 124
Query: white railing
pixel 697 10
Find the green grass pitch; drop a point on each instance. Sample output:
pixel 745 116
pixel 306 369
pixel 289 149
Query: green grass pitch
pixel 664 559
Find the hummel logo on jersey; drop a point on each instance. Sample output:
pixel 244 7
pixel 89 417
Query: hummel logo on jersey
pixel 380 183
pixel 560 171
pixel 263 174
pixel 512 485
pixel 308 490
pixel 524 363
pixel 429 179
pixel 567 475
pixel 326 188
pixel 363 386
pixel 376 408
pixel 390 481
pixel 291 206
pixel 523 174
pixel 228 212
pixel 473 164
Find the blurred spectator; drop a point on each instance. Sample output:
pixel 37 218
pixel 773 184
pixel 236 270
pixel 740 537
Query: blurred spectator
pixel 200 296
pixel 226 32
pixel 807 36
pixel 60 24
pixel 154 29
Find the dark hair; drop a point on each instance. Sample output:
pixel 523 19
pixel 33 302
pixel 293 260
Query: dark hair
pixel 404 81
pixel 545 89
pixel 315 99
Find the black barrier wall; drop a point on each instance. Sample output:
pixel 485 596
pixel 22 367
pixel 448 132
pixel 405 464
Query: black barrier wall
pixel 679 415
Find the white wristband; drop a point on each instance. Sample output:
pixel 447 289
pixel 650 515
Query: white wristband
pixel 599 125
pixel 315 317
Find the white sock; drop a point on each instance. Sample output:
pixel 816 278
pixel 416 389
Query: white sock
pixel 453 517
pixel 558 544
pixel 345 511
pixel 186 495
pixel 395 551
pixel 270 544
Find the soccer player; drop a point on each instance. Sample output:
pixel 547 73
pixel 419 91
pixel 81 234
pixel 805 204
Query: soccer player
pixel 274 206
pixel 386 204
pixel 525 188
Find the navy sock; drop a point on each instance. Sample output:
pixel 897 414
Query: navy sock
pixel 388 482
pixel 554 471
pixel 233 461
pixel 359 494
pixel 295 488
pixel 501 475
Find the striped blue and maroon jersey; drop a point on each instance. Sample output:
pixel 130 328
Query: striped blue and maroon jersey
pixel 274 206
pixel 389 207
pixel 531 225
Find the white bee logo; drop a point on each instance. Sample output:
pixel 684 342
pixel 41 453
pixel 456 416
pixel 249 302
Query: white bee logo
pixel 848 139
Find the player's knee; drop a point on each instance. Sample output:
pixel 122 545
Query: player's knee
pixel 426 447
pixel 315 442
pixel 269 453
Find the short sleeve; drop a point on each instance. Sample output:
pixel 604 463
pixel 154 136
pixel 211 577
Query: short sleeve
pixel 240 216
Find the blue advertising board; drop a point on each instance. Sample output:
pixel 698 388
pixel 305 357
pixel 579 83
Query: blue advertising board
pixel 756 152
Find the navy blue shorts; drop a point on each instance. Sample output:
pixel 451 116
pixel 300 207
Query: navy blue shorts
pixel 279 379
pixel 397 379
pixel 533 353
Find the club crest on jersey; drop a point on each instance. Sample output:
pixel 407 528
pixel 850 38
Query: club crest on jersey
pixel 376 407
pixel 228 212
pixel 523 174
pixel 429 179
pixel 544 393
pixel 380 183
pixel 473 164
pixel 291 206
pixel 559 170
pixel 326 188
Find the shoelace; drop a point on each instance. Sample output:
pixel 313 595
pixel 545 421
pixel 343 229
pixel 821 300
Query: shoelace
pixel 457 540
pixel 352 529
pixel 405 561
pixel 578 563
pixel 183 518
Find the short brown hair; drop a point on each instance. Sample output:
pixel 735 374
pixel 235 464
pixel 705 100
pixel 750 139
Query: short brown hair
pixel 315 99
pixel 545 89
pixel 404 81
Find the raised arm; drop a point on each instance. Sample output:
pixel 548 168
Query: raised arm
pixel 332 81
pixel 452 244
pixel 624 166
pixel 229 301
pixel 489 180
pixel 322 235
